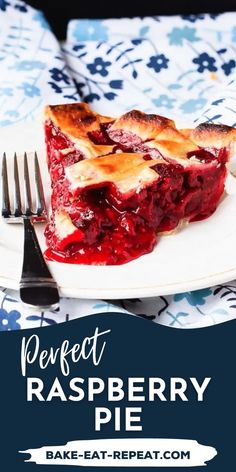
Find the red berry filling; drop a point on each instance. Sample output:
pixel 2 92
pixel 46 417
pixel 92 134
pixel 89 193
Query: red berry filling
pixel 113 228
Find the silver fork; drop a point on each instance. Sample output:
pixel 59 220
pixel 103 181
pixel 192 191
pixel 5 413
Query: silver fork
pixel 37 287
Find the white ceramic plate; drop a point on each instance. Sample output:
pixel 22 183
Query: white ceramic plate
pixel 200 255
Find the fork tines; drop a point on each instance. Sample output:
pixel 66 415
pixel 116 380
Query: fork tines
pixel 6 208
pixel 19 209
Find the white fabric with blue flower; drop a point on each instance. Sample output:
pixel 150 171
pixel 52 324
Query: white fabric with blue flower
pixel 182 67
pixel 177 65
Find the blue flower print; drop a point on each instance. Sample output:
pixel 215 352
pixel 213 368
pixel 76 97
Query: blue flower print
pixel 110 95
pixel 234 34
pixel 55 87
pixel 7 91
pixel 164 101
pixel 194 298
pixel 217 102
pixel 193 105
pixel 99 66
pixel 213 16
pixel 228 66
pixel 90 30
pixel 59 75
pixel 79 86
pixel 78 47
pixel 178 35
pixel 42 319
pixel 21 7
pixel 29 65
pixel 205 62
pixel 30 90
pixel 144 30
pixel 8 320
pixel 5 122
pixel 39 16
pixel 4 5
pixel 116 84
pixel 193 18
pixel 136 41
pixel 158 62
pixel 91 97
pixel 12 113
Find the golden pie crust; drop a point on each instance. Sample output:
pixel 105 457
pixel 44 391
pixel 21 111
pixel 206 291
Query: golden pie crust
pixel 126 169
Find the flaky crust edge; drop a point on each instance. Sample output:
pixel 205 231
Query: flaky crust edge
pixel 77 119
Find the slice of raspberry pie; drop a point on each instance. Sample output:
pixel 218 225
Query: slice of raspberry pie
pixel 118 183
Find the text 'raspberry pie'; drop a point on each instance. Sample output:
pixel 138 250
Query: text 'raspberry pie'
pixel 117 184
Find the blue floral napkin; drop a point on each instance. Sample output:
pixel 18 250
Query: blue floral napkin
pixel 31 63
pixel 183 67
pixel 176 64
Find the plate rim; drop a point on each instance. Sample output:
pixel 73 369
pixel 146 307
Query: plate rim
pixel 136 292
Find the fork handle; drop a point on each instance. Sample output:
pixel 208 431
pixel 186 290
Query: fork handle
pixel 37 287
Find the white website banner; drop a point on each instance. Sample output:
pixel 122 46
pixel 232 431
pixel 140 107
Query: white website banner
pixel 135 452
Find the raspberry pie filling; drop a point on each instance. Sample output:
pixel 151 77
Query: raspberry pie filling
pixel 118 183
